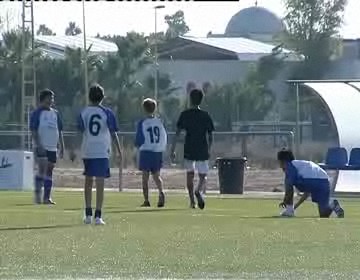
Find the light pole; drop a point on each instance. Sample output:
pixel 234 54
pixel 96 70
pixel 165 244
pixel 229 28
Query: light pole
pixel 156 89
pixel 85 56
pixel 298 119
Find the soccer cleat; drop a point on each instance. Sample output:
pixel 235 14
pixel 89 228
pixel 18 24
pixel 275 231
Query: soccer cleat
pixel 88 220
pixel 161 202
pixel 99 222
pixel 192 205
pixel 49 202
pixel 340 213
pixel 145 204
pixel 200 199
pixel 287 213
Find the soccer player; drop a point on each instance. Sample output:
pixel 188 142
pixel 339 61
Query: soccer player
pixel 310 179
pixel 46 127
pixel 98 126
pixel 199 127
pixel 151 140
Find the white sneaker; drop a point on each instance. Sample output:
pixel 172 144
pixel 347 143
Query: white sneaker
pixel 287 213
pixel 99 222
pixel 88 220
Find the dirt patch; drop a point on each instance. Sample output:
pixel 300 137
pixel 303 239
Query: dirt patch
pixel 255 179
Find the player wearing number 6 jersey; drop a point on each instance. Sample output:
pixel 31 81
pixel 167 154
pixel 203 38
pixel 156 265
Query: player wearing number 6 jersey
pixel 98 126
pixel 151 140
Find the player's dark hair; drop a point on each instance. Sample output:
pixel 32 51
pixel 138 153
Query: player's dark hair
pixel 285 155
pixel 196 96
pixel 149 105
pixel 96 93
pixel 45 93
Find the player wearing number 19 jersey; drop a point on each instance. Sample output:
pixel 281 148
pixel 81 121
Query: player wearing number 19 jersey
pixel 151 140
pixel 98 126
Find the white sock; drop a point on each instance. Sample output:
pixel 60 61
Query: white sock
pixel 290 208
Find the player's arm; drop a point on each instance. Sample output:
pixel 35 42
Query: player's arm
pixel 61 136
pixel 116 141
pixel 301 200
pixel 34 126
pixel 113 128
pixel 36 138
pixel 139 136
pixel 175 140
pixel 210 130
pixel 290 179
pixel 289 195
pixel 179 127
pixel 80 125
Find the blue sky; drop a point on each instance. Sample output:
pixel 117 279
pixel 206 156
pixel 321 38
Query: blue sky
pixel 121 17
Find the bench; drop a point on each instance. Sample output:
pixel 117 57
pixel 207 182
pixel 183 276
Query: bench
pixel 337 159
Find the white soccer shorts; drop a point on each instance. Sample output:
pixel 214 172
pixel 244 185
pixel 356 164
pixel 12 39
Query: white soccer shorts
pixel 202 167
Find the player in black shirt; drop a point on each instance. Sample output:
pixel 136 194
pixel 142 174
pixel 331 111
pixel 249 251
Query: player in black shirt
pixel 198 126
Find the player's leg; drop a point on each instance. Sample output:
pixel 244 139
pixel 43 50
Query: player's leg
pixel 145 188
pixel 321 196
pixel 89 172
pixel 101 170
pixel 145 158
pixel 325 204
pixel 339 211
pixel 190 175
pixel 88 197
pixel 203 169
pixel 39 177
pixel 334 204
pixel 159 183
pixel 324 210
pixel 48 180
pixel 100 183
pixel 155 167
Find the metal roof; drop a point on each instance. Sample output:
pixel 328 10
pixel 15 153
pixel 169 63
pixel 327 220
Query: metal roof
pixel 55 46
pixel 245 49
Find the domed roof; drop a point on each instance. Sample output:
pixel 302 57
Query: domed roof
pixel 254 20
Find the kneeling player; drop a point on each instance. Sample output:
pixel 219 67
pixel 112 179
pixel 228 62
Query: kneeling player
pixel 310 179
pixel 98 125
pixel 151 140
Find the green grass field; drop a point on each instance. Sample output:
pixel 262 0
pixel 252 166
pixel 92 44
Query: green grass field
pixel 231 238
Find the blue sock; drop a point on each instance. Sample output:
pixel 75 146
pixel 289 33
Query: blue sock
pixel 38 185
pixel 47 188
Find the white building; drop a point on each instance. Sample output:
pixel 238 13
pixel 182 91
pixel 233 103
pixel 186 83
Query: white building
pixel 54 46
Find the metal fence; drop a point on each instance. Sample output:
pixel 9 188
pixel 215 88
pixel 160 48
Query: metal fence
pixel 259 147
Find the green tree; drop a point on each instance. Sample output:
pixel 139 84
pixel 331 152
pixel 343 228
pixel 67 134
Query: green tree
pixel 10 69
pixel 168 101
pixel 176 25
pixel 72 29
pixel 249 100
pixel 44 30
pixel 66 77
pixel 118 74
pixel 312 29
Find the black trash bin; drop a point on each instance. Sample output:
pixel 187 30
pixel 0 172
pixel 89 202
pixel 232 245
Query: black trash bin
pixel 231 175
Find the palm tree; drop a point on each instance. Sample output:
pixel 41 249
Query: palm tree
pixel 72 29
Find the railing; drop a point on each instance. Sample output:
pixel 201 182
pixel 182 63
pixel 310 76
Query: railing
pixel 257 145
pixel 260 147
